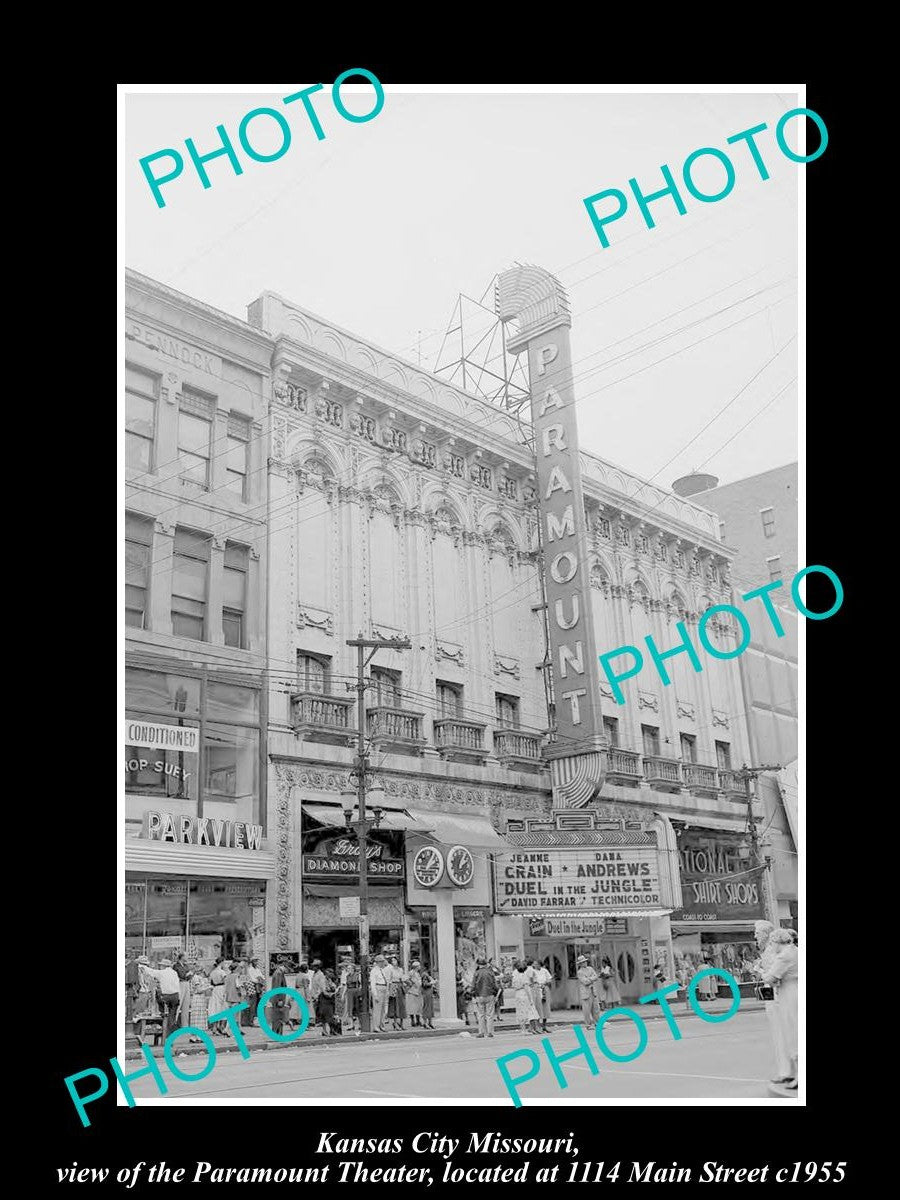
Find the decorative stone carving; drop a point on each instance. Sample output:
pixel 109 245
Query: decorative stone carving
pixel 449 651
pixel 454 464
pixel 483 476
pixel 661 551
pixel 642 544
pixel 279 437
pixel 623 535
pixel 686 710
pixel 507 487
pixel 600 581
pixel 394 439
pixel 290 395
pixel 316 619
pixel 678 558
pixel 720 718
pixel 606 690
pixel 363 426
pixel 330 412
pixel 648 700
pixel 503 665
pixel 602 528
pixel 424 452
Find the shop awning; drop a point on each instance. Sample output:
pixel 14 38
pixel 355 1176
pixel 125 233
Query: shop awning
pixel 463 829
pixel 701 821
pixel 326 891
pixel 739 925
pixel 391 818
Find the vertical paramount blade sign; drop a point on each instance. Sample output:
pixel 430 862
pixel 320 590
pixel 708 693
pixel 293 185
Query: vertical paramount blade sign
pixel 539 305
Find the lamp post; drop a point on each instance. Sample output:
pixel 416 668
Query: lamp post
pixel 355 798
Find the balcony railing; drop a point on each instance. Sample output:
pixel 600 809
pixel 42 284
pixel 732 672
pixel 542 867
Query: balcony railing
pixel 623 764
pixel 700 778
pixel 322 716
pixel 459 736
pixel 512 745
pixel 393 726
pixel 731 784
pixel 666 771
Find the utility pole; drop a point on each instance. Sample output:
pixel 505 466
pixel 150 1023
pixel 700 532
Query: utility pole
pixel 363 824
pixel 762 863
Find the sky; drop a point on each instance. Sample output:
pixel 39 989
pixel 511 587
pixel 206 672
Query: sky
pixel 380 226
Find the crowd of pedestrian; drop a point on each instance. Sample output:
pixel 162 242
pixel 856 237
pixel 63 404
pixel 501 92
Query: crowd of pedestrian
pixel 176 993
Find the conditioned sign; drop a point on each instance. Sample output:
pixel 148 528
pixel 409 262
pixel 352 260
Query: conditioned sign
pixel 588 879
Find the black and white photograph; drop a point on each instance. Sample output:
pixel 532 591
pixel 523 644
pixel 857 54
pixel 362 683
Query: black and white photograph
pixel 465 606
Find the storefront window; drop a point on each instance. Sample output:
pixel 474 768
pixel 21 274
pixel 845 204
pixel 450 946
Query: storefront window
pixel 231 786
pixel 161 693
pixel 731 950
pixel 470 942
pixel 228 702
pixel 206 918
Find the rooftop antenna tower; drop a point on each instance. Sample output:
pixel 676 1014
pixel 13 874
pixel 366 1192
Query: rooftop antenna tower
pixel 474 356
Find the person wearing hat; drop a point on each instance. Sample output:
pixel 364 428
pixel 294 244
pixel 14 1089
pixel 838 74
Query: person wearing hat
pixel 217 1002
pixel 169 992
pixel 526 1014
pixel 378 990
pixel 414 994
pixel 485 989
pixel 782 975
pixel 769 949
pixel 317 985
pixel 587 987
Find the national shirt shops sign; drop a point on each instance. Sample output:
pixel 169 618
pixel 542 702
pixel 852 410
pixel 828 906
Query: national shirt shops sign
pixel 718 879
pixel 586 879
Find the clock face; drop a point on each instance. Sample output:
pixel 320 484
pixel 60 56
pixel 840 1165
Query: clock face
pixel 460 865
pixel 428 866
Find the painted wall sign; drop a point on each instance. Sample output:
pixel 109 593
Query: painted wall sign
pixel 201 831
pixel 182 352
pixel 428 866
pixel 162 737
pixel 717 879
pixel 581 879
pixel 460 866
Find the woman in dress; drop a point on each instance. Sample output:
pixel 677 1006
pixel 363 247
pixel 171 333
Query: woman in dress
pixel 608 990
pixel 526 1014
pixel 325 1005
pixel 537 991
pixel 428 990
pixel 201 990
pixel 218 977
pixel 782 974
pixel 764 931
pixel 146 1001
pixel 414 994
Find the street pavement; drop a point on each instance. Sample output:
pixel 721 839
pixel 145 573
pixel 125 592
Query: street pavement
pixel 732 1059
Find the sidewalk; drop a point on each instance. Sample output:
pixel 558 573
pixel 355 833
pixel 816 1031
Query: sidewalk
pixel 505 1023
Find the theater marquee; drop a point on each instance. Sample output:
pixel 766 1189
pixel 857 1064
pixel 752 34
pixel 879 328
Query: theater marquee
pixel 588 879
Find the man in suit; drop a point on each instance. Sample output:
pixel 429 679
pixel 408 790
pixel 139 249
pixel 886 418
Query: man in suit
pixel 379 978
pixel 587 986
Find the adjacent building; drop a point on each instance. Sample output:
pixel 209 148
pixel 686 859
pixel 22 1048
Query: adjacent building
pixel 759 518
pixel 198 858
